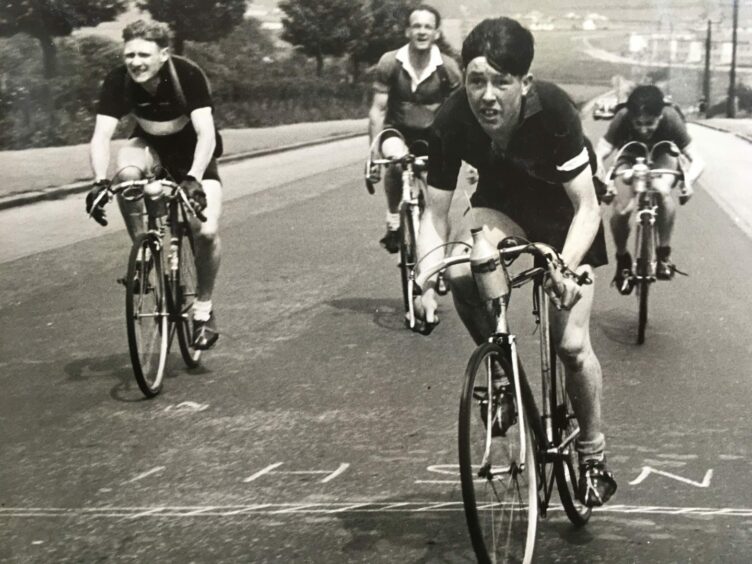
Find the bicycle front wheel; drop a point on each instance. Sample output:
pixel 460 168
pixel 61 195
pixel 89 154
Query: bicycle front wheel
pixel 408 248
pixel 186 295
pixel 146 314
pixel 566 429
pixel 645 247
pixel 498 473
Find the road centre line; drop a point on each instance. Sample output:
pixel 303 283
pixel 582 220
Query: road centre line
pixel 339 507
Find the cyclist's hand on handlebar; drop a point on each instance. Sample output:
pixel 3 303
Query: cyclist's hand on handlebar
pixel 194 192
pixel 564 291
pixel 425 307
pixel 96 193
pixel 373 174
pixel 685 193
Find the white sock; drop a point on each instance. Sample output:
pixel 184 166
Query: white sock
pixel 392 221
pixel 202 310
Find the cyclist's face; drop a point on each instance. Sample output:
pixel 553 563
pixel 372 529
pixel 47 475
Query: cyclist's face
pixel 495 98
pixel 422 31
pixel 143 59
pixel 645 125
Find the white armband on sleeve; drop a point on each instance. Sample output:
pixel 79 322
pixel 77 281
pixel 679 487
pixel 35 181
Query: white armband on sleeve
pixel 575 162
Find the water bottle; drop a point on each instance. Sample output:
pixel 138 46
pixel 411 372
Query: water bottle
pixel 485 264
pixel 156 205
pixel 641 173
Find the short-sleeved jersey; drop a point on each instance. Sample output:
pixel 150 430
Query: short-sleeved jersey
pixel 160 114
pixel 548 145
pixel 413 107
pixel 670 128
pixel 525 180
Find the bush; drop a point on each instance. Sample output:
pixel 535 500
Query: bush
pixel 254 84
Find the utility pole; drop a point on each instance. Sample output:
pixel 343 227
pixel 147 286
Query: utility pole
pixel 731 101
pixel 706 76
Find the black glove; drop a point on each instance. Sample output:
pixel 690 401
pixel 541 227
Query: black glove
pixel 97 212
pixel 194 192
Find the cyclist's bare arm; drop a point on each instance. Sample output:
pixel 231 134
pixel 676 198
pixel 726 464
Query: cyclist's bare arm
pixel 434 231
pixel 99 147
pixel 696 164
pixel 203 123
pixel 377 114
pixel 603 150
pixel 586 220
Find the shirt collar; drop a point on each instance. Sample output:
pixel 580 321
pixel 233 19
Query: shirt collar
pixel 403 56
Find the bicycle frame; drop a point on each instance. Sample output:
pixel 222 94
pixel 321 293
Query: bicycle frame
pixel 177 208
pixel 541 423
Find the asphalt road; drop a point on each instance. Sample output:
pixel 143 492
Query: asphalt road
pixel 320 430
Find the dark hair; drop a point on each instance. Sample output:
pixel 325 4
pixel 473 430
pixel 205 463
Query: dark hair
pixel 424 8
pixel 646 99
pixel 506 45
pixel 157 32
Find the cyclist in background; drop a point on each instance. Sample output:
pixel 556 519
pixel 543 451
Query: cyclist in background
pixel 410 85
pixel 170 99
pixel 535 179
pixel 649 118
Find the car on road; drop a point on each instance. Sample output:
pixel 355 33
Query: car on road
pixel 604 108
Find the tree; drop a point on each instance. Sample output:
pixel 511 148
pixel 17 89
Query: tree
pixel 196 20
pixel 46 19
pixel 321 28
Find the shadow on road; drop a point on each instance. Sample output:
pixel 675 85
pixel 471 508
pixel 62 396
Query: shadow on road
pixel 116 366
pixel 619 325
pixel 386 312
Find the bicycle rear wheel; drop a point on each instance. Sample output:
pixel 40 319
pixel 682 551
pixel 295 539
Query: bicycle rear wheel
pixel 498 473
pixel 408 248
pixel 645 247
pixel 565 429
pixel 146 314
pixel 186 295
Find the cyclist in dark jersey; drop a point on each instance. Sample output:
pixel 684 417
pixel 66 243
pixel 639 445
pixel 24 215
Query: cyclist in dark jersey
pixel 535 180
pixel 410 85
pixel 170 100
pixel 648 118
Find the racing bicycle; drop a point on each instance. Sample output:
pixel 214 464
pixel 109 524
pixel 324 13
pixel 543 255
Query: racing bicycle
pixel 161 279
pixel 411 205
pixel 641 175
pixel 508 475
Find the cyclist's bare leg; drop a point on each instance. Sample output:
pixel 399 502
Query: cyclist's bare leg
pixel 621 215
pixel 571 336
pixel 208 243
pixel 133 161
pixel 393 189
pixel 471 309
pixel 666 204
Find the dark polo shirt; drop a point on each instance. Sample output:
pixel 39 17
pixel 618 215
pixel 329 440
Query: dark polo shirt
pixel 525 180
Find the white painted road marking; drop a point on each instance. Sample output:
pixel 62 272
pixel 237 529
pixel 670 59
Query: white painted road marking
pixel 647 470
pixel 271 469
pixel 340 507
pixel 145 474
pixel 262 472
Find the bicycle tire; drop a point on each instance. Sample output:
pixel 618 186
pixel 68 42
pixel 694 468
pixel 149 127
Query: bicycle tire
pixel 644 259
pixel 408 250
pixel 564 426
pixel 146 314
pixel 501 499
pixel 185 291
